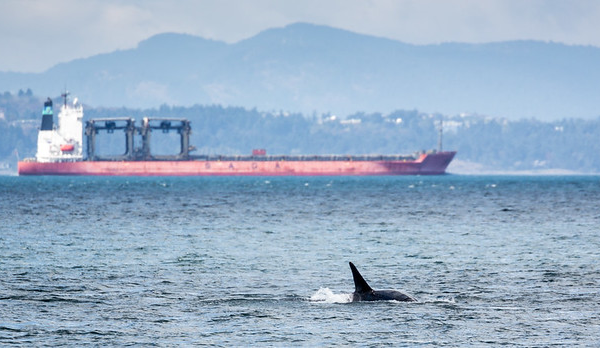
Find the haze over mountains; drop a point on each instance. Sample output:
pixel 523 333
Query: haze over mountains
pixel 309 68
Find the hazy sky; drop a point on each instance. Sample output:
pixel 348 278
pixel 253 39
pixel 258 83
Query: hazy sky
pixel 37 34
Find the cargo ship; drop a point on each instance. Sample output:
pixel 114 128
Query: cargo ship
pixel 60 152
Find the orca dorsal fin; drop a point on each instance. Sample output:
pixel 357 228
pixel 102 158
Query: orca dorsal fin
pixel 360 285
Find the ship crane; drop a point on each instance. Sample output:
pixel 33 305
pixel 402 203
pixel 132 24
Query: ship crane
pixel 94 126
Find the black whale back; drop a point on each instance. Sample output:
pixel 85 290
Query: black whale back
pixel 363 292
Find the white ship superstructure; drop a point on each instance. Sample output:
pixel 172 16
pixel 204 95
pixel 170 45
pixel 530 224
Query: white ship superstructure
pixel 63 143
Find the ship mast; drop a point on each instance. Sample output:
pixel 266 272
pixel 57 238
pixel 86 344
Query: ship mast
pixel 441 135
pixel 65 95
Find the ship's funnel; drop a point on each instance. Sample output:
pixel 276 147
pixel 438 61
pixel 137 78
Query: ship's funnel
pixel 47 122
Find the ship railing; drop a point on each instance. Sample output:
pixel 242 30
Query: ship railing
pixel 308 158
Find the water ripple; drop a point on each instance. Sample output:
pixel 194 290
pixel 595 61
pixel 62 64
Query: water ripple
pixel 255 261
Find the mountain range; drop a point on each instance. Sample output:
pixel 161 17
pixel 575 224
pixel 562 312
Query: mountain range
pixel 319 69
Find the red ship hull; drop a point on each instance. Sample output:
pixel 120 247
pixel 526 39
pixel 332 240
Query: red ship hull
pixel 425 164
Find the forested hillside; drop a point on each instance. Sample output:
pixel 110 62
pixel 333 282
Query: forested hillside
pixel 305 68
pixel 494 143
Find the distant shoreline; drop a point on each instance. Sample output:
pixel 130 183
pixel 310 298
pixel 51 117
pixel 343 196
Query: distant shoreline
pixel 460 167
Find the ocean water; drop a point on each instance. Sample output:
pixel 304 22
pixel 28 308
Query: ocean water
pixel 493 260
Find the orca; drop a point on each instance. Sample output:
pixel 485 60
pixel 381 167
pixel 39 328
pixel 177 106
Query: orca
pixel 363 292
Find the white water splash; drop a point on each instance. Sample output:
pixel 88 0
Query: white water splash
pixel 327 296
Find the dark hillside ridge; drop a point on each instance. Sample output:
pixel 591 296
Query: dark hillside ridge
pixel 309 68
